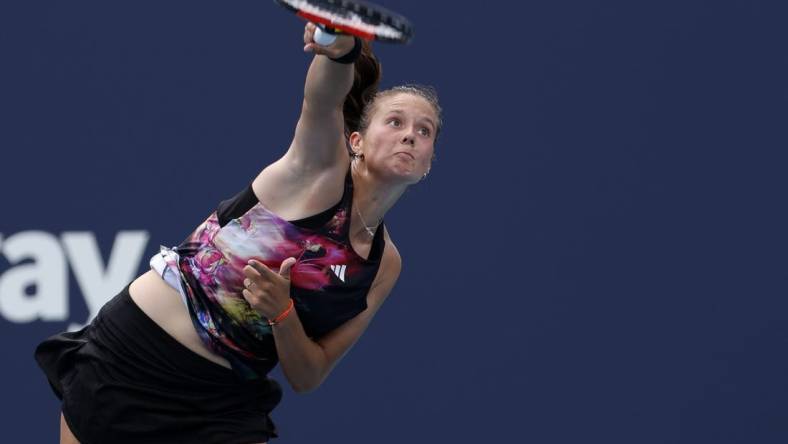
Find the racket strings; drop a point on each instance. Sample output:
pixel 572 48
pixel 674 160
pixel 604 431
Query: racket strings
pixel 376 21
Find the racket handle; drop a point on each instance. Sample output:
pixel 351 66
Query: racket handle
pixel 324 37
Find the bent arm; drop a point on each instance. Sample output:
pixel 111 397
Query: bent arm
pixel 307 363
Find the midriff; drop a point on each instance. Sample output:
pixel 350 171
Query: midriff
pixel 163 304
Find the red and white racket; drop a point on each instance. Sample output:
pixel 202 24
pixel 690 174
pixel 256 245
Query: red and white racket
pixel 359 18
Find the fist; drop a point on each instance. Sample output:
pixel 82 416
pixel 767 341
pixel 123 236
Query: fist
pixel 343 44
pixel 267 291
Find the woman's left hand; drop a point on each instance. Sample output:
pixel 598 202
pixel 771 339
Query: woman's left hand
pixel 267 291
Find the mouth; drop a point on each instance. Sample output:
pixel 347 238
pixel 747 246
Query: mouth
pixel 407 154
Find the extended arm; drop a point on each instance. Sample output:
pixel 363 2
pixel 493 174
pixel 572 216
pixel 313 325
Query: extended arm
pixel 319 135
pixel 312 171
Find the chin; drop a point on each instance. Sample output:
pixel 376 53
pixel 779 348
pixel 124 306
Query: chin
pixel 399 178
pixel 400 174
pixel 409 177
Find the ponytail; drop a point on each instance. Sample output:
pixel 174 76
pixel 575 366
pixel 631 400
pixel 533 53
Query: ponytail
pixel 365 85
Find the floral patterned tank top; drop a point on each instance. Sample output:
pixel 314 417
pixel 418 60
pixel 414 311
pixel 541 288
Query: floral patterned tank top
pixel 328 283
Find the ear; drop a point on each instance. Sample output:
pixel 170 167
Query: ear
pixel 355 142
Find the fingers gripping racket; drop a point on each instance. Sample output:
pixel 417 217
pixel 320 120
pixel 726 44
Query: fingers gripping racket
pixel 355 17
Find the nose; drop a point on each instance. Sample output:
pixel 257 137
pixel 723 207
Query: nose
pixel 408 138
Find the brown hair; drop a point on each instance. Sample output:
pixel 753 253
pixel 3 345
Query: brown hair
pixel 365 85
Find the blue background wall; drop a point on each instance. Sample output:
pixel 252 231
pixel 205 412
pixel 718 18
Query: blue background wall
pixel 598 255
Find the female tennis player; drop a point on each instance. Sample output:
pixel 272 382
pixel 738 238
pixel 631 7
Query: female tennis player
pixel 290 270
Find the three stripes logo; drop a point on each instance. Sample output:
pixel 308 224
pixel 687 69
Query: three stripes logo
pixel 339 271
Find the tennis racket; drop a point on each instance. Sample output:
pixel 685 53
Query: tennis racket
pixel 355 17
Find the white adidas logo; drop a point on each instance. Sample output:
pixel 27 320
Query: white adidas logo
pixel 339 271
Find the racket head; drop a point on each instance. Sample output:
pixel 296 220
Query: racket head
pixel 355 17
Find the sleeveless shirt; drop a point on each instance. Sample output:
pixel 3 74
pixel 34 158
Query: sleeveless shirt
pixel 328 283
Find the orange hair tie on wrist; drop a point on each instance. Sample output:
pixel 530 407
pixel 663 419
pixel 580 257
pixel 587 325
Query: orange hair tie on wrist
pixel 282 315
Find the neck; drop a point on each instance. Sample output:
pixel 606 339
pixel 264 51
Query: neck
pixel 372 198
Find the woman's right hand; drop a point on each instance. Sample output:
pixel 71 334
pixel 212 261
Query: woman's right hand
pixel 341 46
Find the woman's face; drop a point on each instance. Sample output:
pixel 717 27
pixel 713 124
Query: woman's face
pixel 399 142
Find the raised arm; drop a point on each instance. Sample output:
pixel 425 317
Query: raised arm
pixel 309 177
pixel 319 140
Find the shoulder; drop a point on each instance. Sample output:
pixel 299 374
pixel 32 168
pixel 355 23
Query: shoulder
pixel 294 191
pixel 390 262
pixel 390 252
pixel 386 277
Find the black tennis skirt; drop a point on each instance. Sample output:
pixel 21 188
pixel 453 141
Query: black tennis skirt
pixel 123 379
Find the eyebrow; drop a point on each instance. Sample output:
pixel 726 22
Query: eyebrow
pixel 399 111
